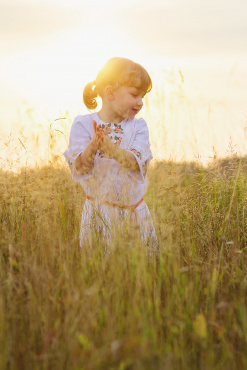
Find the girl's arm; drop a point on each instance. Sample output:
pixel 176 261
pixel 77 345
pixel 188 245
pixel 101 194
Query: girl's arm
pixel 126 158
pixel 85 161
pixel 122 156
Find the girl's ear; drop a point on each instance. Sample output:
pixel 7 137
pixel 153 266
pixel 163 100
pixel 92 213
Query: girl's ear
pixel 109 92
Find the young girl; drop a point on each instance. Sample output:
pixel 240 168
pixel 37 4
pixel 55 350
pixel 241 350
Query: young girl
pixel 109 154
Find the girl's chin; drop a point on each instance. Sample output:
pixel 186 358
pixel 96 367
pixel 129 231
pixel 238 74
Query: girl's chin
pixel 132 114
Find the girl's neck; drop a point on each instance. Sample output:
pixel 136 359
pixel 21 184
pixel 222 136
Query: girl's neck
pixel 109 116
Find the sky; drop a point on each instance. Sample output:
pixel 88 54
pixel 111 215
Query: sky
pixel 50 49
pixel 160 27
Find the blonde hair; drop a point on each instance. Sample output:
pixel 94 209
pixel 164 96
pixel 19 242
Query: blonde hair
pixel 116 71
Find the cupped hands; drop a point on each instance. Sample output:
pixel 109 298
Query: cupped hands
pixel 102 139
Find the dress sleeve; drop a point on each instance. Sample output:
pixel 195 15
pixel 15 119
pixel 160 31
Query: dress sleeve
pixel 140 148
pixel 79 138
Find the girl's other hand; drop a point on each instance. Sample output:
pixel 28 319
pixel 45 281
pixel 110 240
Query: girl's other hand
pixel 105 143
pixel 97 136
pixel 94 125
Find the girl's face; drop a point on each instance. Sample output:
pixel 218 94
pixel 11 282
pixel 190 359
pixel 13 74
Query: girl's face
pixel 127 101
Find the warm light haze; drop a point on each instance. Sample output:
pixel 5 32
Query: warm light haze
pixel 51 49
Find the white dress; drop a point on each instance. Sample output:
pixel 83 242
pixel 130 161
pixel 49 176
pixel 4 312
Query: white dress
pixel 110 182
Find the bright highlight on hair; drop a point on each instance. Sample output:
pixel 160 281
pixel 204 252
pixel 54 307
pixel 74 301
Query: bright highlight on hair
pixel 117 71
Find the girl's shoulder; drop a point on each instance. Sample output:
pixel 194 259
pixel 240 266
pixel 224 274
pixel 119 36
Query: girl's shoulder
pixel 83 122
pixel 84 118
pixel 140 124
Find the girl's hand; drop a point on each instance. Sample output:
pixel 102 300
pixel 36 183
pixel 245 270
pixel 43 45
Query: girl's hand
pixel 97 136
pixel 105 143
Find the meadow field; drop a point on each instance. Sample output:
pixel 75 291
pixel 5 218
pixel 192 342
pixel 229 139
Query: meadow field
pixel 182 308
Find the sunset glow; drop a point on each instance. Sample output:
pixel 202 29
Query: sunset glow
pixel 48 56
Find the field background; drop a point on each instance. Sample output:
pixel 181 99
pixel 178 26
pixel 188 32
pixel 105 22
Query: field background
pixel 61 308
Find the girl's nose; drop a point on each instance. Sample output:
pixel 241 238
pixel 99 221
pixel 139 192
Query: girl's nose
pixel 140 102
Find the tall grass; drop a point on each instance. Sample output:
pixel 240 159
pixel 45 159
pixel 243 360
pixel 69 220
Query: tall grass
pixel 64 308
pixel 61 308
